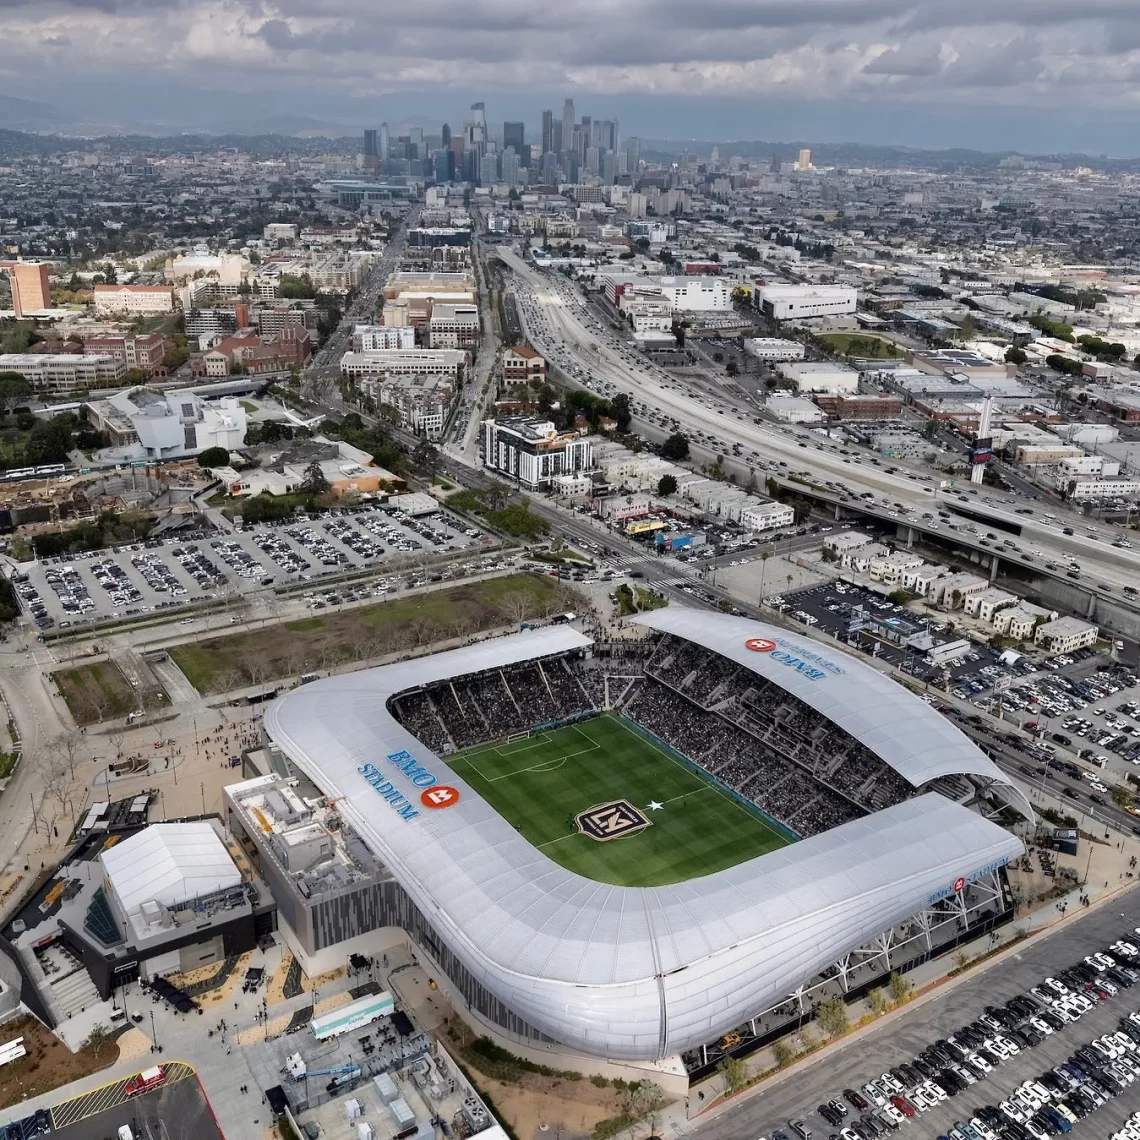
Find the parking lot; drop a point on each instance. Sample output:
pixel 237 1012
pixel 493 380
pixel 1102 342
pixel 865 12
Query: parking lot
pixel 68 593
pixel 928 1039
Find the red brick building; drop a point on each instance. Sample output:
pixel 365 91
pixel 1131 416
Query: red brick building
pixel 521 365
pixel 860 407
pixel 145 352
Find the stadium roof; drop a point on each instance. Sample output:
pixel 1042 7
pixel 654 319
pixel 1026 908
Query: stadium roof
pixel 617 971
pixel 169 863
pixel 904 732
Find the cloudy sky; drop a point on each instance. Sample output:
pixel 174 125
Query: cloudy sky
pixel 1035 75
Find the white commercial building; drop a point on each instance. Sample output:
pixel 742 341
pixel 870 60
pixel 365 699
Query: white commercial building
pixel 801 302
pixel 533 451
pixel 406 362
pixel 133 300
pixel 821 376
pixel 768 516
pixel 381 338
pixel 890 568
pixel 148 424
pixel 794 409
pixel 697 294
pixel 49 372
pixel 773 348
pixel 1065 635
pixel 453 326
pixel 984 604
pixel 1086 489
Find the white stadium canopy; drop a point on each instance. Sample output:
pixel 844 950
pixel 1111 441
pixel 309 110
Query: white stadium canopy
pixel 629 972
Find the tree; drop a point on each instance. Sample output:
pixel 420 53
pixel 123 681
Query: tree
pixel 667 485
pixel 832 1015
pixel 14 389
pixel 900 597
pixel 214 457
pixel 314 482
pixel 878 1000
pixel 900 988
pixel 425 456
pixel 1015 355
pixel 622 411
pixel 99 1040
pixel 1121 796
pixel 675 447
pixel 783 1053
pixel 735 1073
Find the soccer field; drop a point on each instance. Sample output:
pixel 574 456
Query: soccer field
pixel 539 784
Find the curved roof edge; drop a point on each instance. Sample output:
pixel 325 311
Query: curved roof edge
pixel 915 739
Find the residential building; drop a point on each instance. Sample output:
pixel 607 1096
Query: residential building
pixel 889 568
pixel 804 302
pixel 1018 622
pixel 149 424
pixel 283 231
pixel 143 352
pixel 210 323
pixel 522 364
pixel 423 401
pixel 373 338
pixel 920 579
pixel 133 300
pixel 453 326
pixel 1084 490
pixel 273 321
pixel 1065 635
pixel 953 590
pixel 846 541
pixel 54 373
pixel 533 452
pixel 984 604
pixel 773 348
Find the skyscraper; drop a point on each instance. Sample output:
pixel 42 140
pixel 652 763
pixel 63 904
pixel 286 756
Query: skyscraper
pixel 370 142
pixel 567 124
pixel 513 137
pixel 632 153
pixel 383 142
pixel 547 131
pixel 510 166
pixel 804 160
pixel 556 137
pixel 31 289
pixel 445 136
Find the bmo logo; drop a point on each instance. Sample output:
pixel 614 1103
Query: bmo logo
pixel 959 885
pixel 441 796
pixel 760 645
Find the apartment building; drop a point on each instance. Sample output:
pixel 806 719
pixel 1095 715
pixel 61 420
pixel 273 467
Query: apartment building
pixel 453 326
pixel 447 362
pixel 424 402
pixel 1065 635
pixel 533 452
pixel 380 338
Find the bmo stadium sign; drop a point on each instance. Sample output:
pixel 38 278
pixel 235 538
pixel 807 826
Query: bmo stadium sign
pixel 806 662
pixel 432 794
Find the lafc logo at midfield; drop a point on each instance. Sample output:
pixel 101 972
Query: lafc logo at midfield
pixel 611 821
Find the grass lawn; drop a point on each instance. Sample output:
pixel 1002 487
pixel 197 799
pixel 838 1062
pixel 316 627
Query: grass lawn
pixel 49 1063
pixel 539 784
pixel 100 692
pixel 861 345
pixel 320 642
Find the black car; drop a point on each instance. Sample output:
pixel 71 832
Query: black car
pixel 829 1114
pixel 855 1099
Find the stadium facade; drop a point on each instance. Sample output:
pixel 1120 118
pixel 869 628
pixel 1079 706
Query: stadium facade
pixel 644 974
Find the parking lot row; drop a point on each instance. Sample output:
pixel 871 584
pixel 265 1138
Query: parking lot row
pixel 158 574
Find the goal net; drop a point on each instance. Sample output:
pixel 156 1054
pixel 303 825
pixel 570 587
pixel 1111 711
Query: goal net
pixel 518 736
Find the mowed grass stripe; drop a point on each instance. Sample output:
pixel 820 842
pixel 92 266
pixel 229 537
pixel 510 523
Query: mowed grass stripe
pixel 539 784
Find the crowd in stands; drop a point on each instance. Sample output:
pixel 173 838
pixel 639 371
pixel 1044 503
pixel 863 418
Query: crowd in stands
pixel 749 733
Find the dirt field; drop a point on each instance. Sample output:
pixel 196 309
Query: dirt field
pixel 100 692
pixel 49 1063
pixel 225 663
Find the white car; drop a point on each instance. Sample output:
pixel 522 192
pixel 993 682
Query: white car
pixel 892 1113
pixel 1041 1026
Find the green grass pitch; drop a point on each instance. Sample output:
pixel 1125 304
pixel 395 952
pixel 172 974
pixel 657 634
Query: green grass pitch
pixel 540 783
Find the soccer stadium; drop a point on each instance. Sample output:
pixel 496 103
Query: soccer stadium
pixel 634 849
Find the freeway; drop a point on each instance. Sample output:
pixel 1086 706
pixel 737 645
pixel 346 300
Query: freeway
pixel 569 333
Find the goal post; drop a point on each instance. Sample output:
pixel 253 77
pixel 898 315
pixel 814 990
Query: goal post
pixel 512 737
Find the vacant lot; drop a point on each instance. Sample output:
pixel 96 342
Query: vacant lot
pixel 225 663
pixel 101 692
pixel 49 1063
pixel 860 345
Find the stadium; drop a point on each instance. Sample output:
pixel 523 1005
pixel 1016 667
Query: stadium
pixel 629 850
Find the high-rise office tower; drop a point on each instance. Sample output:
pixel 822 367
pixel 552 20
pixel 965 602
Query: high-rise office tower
pixel 31 289
pixel 632 153
pixel 445 136
pixel 550 169
pixel 513 136
pixel 556 137
pixel 567 124
pixel 609 168
pixel 804 160
pixel 510 166
pixel 489 168
pixel 547 131
pixel 370 143
pixel 593 155
pixel 383 142
pixel 443 162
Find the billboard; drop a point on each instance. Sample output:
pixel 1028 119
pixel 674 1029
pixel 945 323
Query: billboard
pixel 681 542
pixel 982 450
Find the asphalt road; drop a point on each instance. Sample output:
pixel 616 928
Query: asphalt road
pixel 873 1053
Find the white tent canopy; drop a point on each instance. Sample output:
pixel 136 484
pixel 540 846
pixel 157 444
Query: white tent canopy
pixel 168 863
